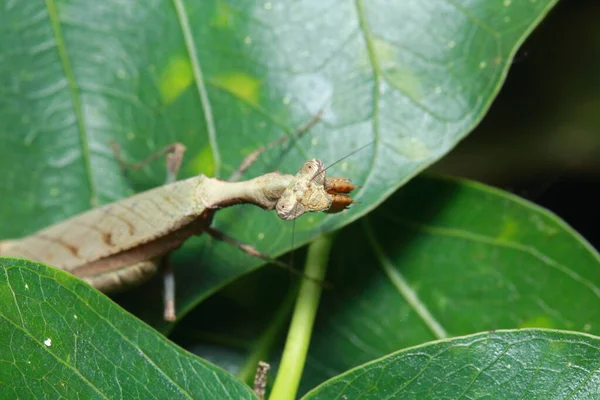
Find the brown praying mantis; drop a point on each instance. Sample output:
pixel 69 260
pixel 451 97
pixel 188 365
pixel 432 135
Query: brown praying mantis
pixel 122 244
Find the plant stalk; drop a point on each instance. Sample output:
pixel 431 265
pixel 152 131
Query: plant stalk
pixel 296 346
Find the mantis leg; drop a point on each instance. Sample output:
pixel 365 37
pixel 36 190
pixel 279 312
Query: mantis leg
pixel 252 251
pixel 173 152
pixel 252 157
pixel 168 287
pixel 174 155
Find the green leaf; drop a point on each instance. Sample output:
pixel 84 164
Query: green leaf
pixel 225 78
pixel 519 364
pixel 65 339
pixel 443 258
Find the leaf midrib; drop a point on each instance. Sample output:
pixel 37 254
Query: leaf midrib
pixel 200 83
pixel 74 92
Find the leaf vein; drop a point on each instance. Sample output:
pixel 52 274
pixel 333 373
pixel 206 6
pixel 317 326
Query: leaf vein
pixel 60 360
pixel 403 287
pixel 74 92
pixel 199 79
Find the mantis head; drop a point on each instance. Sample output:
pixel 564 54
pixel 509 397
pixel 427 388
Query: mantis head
pixel 311 191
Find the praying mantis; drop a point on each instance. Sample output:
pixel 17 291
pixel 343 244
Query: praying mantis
pixel 122 244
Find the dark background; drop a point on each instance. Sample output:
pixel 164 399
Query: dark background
pixel 541 137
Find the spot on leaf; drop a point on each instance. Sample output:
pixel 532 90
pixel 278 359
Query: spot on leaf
pixel 509 230
pixel 412 148
pixel 395 71
pixel 240 84
pixel 541 321
pixel 202 163
pixel 223 16
pixel 176 77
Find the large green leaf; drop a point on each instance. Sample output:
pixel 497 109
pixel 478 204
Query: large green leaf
pixel 527 364
pixel 68 340
pixel 227 77
pixel 61 338
pixel 443 258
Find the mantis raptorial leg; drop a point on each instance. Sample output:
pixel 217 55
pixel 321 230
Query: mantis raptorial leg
pixel 123 243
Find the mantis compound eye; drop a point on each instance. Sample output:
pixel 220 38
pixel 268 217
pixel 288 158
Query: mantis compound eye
pixel 288 211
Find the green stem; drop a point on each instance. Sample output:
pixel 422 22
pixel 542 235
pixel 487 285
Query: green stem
pixel 296 346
